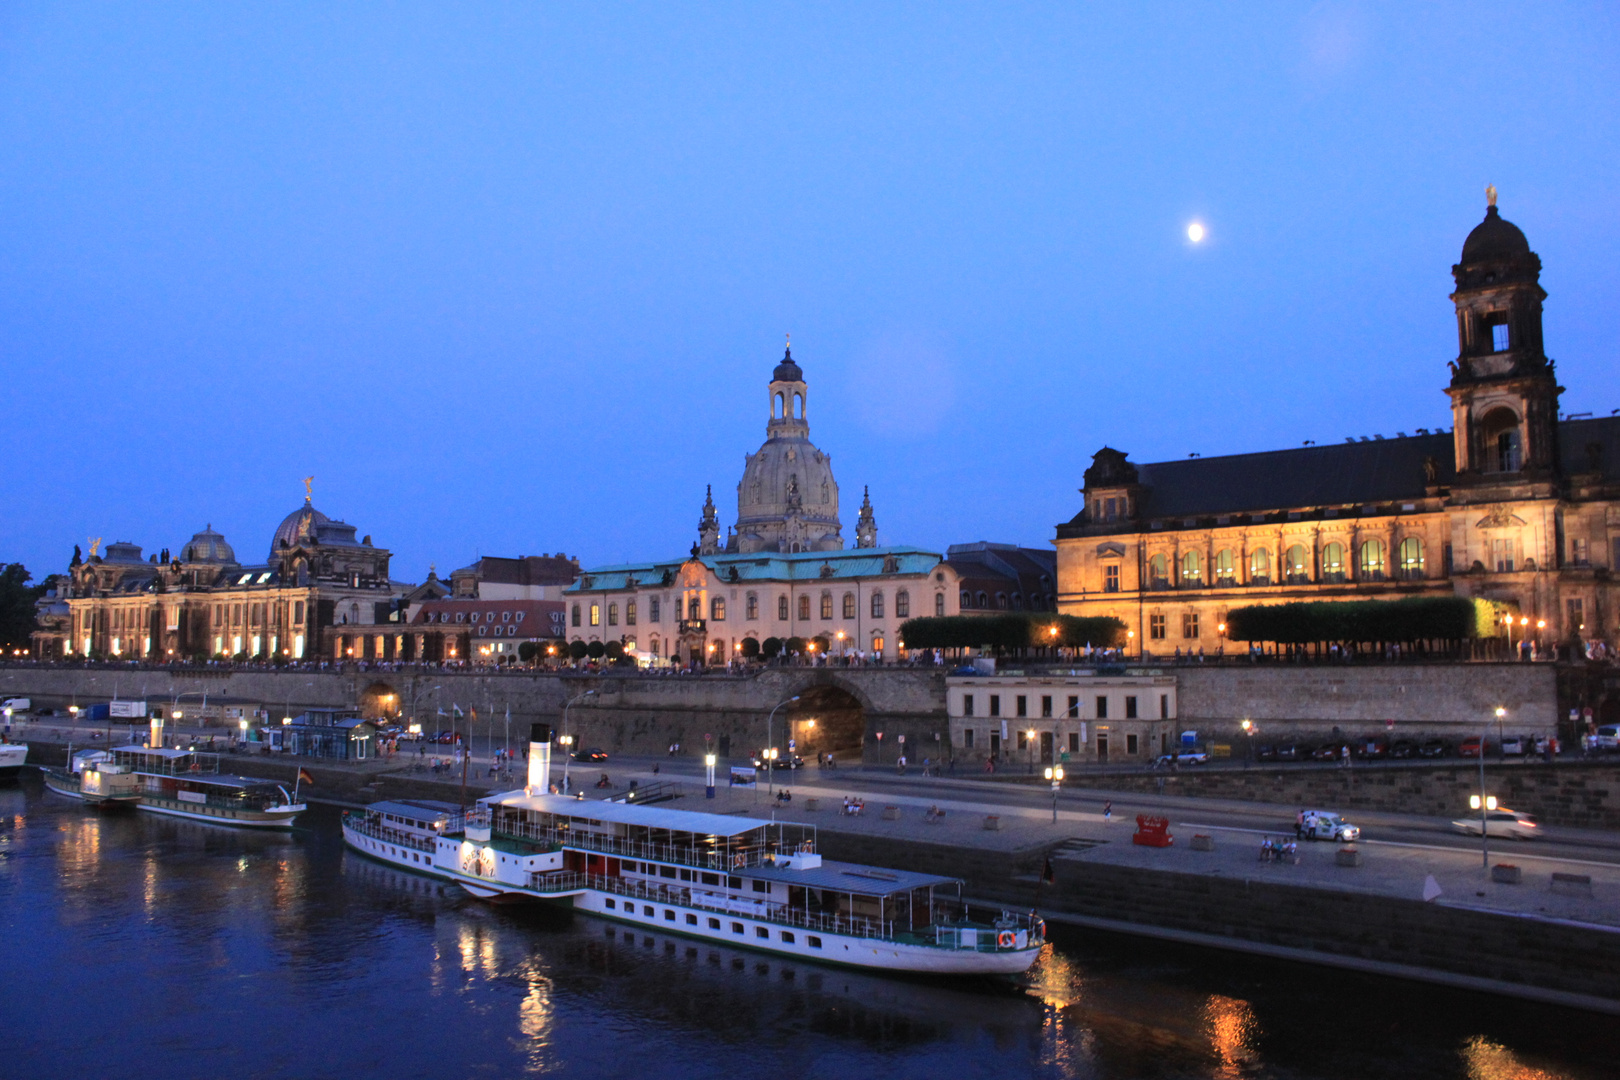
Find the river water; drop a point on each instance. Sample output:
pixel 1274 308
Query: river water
pixel 139 945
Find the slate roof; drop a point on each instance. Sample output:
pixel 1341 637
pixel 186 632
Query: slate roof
pixel 764 566
pixel 1337 474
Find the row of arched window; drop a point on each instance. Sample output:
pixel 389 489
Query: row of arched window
pixel 1371 564
pixel 878 605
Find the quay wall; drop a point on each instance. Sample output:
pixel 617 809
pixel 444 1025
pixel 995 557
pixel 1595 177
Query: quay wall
pixel 1583 793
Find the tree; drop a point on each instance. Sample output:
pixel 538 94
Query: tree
pixel 793 646
pixel 1415 618
pixel 596 650
pixel 750 648
pixel 17 599
pixel 614 650
pixel 528 650
pixel 822 643
pixel 1014 632
pixel 771 647
pixel 578 650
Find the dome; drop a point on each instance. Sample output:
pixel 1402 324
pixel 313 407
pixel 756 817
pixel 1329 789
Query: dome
pixel 207 546
pixel 298 526
pixel 789 478
pixel 1494 239
pixel 787 370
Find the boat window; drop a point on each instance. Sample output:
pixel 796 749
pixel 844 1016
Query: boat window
pixel 669 916
pixel 762 886
pixel 648 910
pixel 711 879
pixel 787 938
pixel 733 882
pixel 736 928
pixel 666 871
pixel 686 875
pixel 813 941
pixel 762 932
pixel 714 924
pixel 610 904
pixel 691 920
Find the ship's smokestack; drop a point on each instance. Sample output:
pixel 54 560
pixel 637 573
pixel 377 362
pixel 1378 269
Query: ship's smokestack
pixel 156 740
pixel 539 759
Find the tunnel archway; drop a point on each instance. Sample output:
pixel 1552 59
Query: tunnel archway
pixel 379 701
pixel 828 720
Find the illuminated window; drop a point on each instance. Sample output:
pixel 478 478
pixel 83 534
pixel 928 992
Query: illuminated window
pixel 1191 568
pixel 717 609
pixel 694 609
pixel 1372 560
pixel 596 614
pixel 1158 572
pixel 1333 563
pixel 1502 556
pixel 1296 565
pixel 1225 567
pixel 1260 567
pixel 629 613
pixel 1411 557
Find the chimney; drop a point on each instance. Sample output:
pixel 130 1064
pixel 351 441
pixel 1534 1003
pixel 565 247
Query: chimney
pixel 156 741
pixel 539 759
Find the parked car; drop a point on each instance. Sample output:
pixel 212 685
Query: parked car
pixel 1265 753
pixel 1185 757
pixel 595 753
pixel 1607 738
pixel 444 737
pixel 1293 751
pixel 1325 825
pixel 1515 746
pixel 783 761
pixel 1327 752
pixel 1500 822
pixel 1372 748
pixel 1403 749
pixel 1434 748
pixel 1473 746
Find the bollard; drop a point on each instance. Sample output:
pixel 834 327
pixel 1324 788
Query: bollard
pixel 812 804
pixel 1203 843
pixel 1347 856
pixel 1506 873
pixel 992 822
pixel 891 813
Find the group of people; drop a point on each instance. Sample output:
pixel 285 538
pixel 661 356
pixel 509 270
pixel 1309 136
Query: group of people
pixel 1276 850
pixel 853 807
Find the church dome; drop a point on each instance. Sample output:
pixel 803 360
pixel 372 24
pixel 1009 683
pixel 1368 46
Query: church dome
pixel 300 525
pixel 1494 239
pixel 207 546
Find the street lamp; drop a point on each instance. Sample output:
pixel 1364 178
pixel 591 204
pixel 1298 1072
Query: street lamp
pixel 708 765
pixel 567 739
pixel 1483 803
pixel 1500 713
pixel 1029 741
pixel 770 740
pixel 1248 730
pixel 1055 774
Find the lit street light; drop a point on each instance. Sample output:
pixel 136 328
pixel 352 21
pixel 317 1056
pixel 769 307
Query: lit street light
pixel 770 739
pixel 1055 774
pixel 1029 741
pixel 567 739
pixel 708 765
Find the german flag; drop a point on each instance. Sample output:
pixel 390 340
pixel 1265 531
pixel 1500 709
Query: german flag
pixel 304 777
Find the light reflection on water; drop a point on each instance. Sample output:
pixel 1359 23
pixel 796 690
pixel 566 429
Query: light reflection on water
pixel 188 950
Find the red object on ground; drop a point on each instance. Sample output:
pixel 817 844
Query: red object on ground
pixel 1152 831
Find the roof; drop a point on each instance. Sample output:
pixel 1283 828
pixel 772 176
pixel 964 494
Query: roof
pixel 1494 238
pixel 416 809
pixel 766 566
pixel 788 370
pixel 489 611
pixel 526 570
pixel 650 817
pixel 851 877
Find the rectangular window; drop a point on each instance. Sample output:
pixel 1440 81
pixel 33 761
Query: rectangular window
pixel 1102 707
pixel 630 613
pixel 613 615
pixel 1130 744
pixel 995 704
pixel 1499 337
pixel 711 879
pixel 1164 706
pixel 877 605
pixel 762 886
pixel 1046 704
pixel 1074 742
pixel 1023 739
pixel 939 605
pixel 1189 624
pixel 967 704
pixel 596 614
pixel 1130 708
pixel 1111 578
pixel 652 609
pixel 751 607
pixel 1577 615
pixel 902 604
pixel 1156 627
pixel 1577 551
pixel 1021 705
pixel 1502 556
pixel 967 738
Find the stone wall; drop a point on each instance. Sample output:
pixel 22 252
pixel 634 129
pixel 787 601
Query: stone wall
pixel 1579 793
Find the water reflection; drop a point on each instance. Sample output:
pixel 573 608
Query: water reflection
pixel 227 953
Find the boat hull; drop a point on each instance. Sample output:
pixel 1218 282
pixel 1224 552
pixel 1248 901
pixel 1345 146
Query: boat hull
pixel 393 854
pixel 241 819
pixel 69 786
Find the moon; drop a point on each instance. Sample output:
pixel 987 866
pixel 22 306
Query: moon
pixel 1195 232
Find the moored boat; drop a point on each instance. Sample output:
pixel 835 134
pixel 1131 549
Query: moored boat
pixel 741 881
pixel 13 756
pixel 188 784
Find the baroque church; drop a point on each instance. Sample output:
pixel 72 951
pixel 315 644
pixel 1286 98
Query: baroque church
pixel 781 571
pixel 1514 503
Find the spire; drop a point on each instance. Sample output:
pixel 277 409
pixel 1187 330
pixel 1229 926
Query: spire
pixel 709 525
pixel 866 524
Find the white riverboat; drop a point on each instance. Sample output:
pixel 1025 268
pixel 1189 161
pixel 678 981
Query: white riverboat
pixel 94 777
pixel 739 881
pixel 13 756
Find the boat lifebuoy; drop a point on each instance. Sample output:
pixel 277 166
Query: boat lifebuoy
pixel 1004 940
pixel 739 861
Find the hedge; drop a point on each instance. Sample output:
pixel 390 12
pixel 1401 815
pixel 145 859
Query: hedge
pixel 1011 631
pixel 1416 618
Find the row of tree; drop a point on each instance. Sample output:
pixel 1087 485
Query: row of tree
pixel 1014 632
pixel 1415 618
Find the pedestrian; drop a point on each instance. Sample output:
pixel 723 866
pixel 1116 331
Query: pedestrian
pixel 1299 823
pixel 1108 810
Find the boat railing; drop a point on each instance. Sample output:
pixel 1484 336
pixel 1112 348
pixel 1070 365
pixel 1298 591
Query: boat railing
pixel 253 803
pixel 194 764
pixel 718 860
pixel 361 823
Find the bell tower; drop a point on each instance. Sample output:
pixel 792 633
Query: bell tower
pixel 1504 393
pixel 788 398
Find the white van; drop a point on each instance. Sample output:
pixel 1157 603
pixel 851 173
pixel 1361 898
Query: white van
pixel 1323 825
pixel 1607 737
pixel 16 704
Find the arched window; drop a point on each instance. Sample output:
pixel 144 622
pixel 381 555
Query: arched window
pixel 1296 565
pixel 613 614
pixel 1333 563
pixel 826 605
pixel 1225 567
pixel 782 608
pixel 1001 601
pixel 902 604
pixel 966 599
pixel 694 609
pixel 1158 573
pixel 717 609
pixel 1411 556
pixel 804 609
pixel 1191 568
pixel 984 599
pixel 1372 560
pixel 877 605
pixel 1500 445
pixel 1018 601
pixel 751 606
pixel 1260 567
pixel 849 605
pixel 939 604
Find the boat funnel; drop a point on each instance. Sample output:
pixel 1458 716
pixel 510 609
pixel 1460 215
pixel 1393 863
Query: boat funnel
pixel 539 759
pixel 156 740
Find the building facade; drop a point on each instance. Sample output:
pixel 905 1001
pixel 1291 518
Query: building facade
pixel 1086 718
pixel 203 602
pixel 1512 504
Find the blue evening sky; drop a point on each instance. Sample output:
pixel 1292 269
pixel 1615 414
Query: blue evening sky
pixel 510 279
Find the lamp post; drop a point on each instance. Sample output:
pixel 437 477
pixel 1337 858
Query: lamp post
pixel 1500 713
pixel 1029 741
pixel 770 728
pixel 1248 731
pixel 708 765
pixel 568 738
pixel 1055 774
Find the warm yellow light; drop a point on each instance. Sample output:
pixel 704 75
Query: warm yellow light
pixel 1500 712
pixel 1195 232
pixel 1541 624
pixel 810 723
pixel 1247 724
pixel 1525 621
pixel 709 759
